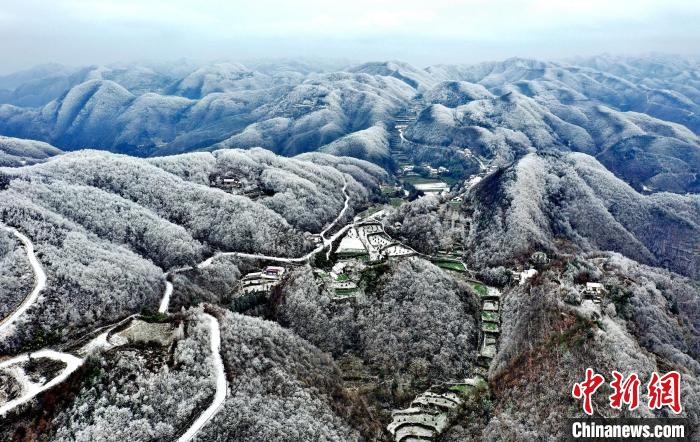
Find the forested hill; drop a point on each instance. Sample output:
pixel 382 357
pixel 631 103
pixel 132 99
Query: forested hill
pixel 108 226
pixel 570 202
pixel 18 152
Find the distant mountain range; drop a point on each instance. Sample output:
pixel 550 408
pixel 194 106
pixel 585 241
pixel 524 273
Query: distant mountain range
pixel 637 116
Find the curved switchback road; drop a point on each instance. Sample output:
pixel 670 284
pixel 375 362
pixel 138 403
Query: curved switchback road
pixel 72 364
pixel 326 242
pixel 39 281
pixel 207 262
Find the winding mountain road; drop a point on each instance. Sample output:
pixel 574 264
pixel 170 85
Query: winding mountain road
pixel 221 384
pixel 346 204
pixel 39 281
pixel 207 262
pixel 73 362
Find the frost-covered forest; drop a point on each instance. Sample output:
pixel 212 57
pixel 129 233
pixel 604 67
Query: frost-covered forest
pixel 299 251
pixel 109 226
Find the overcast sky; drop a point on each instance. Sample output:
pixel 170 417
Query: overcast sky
pixel 418 31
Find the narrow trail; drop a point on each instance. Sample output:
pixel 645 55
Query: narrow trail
pixel 39 281
pixel 342 212
pixel 221 384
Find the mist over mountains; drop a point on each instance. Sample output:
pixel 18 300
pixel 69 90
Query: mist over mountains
pixel 638 116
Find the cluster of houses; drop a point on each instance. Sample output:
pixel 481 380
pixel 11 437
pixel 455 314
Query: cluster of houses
pixel 225 182
pixel 490 326
pixel 262 281
pixel 371 239
pixel 433 172
pixel 427 417
pixel 593 291
pixel 410 170
pixel 235 185
pixel 432 412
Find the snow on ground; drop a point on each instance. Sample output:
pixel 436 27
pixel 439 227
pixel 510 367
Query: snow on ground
pixel 473 181
pixel 527 274
pixel 165 302
pixel 351 243
pixel 25 382
pixel 99 342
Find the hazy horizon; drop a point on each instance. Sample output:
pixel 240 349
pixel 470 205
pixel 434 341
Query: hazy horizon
pixel 73 32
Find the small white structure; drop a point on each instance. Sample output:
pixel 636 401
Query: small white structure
pixel 432 187
pixel 595 288
pixel 346 285
pixel 272 272
pixel 232 182
pixel 527 274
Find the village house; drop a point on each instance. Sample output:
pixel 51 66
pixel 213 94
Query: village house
pixel 272 272
pixel 595 288
pixel 231 182
pixel 314 238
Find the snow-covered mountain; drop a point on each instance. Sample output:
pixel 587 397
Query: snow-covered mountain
pixel 604 106
pixel 18 152
pixel 638 116
pixel 569 201
pixel 649 153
